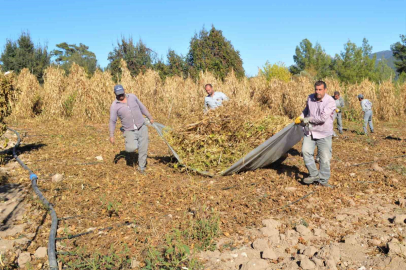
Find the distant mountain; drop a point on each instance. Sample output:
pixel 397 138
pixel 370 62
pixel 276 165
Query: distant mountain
pixel 387 55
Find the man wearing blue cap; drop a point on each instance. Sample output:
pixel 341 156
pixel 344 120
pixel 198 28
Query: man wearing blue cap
pixel 366 106
pixel 130 110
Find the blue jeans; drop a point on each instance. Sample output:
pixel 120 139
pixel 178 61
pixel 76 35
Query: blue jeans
pixel 368 120
pixel 324 152
pixel 137 139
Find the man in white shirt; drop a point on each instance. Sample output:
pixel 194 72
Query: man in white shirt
pixel 213 99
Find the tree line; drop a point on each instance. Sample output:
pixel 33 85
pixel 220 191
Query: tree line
pixel 208 50
pixel 351 65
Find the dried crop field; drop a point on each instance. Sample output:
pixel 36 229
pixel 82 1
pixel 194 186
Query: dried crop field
pixel 157 218
pixel 171 101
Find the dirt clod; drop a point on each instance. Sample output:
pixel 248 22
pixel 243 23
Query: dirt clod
pixel 41 252
pixel 57 178
pixel 23 259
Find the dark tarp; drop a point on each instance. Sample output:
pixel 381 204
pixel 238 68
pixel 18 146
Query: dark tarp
pixel 265 154
pixel 268 152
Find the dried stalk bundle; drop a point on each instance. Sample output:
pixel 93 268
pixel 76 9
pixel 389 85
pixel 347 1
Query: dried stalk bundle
pixel 214 141
pixel 402 97
pixel 101 95
pixel 54 87
pixel 27 99
pixel 295 95
pixel 353 109
pixel 6 90
pixel 77 97
pixel 389 105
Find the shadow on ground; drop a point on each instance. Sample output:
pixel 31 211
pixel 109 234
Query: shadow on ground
pixel 8 153
pixel 131 159
pixel 8 192
pixel 165 159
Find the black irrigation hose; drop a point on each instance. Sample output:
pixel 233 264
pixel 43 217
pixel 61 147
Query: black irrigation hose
pixel 53 265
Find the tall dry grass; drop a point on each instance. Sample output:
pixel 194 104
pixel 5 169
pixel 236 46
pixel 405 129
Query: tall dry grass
pixel 402 97
pixel 27 100
pixel 79 97
pixel 6 91
pixel 368 89
pixel 388 106
pixel 54 86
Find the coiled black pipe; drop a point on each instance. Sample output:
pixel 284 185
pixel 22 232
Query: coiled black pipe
pixel 53 265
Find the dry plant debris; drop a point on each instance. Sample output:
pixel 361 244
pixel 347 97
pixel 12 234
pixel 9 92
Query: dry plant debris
pixel 214 141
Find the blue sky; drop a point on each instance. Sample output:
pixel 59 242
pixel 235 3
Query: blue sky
pixel 260 30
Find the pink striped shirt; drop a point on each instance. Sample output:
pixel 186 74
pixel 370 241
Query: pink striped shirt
pixel 321 115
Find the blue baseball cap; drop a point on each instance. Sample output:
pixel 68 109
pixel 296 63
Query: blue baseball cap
pixel 360 96
pixel 118 89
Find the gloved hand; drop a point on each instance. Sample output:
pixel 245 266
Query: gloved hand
pixel 298 120
pixel 338 110
pixel 304 122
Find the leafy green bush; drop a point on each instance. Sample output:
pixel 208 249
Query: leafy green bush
pixel 276 71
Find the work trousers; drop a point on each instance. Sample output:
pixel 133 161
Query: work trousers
pixel 368 120
pixel 138 139
pixel 339 122
pixel 324 152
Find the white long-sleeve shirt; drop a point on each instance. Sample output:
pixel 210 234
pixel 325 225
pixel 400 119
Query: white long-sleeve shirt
pixel 214 101
pixel 366 105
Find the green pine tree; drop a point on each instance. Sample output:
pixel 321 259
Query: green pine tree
pixel 67 54
pixel 138 56
pixel 383 71
pixel 213 52
pixel 354 63
pixel 24 54
pixel 311 60
pixel 175 66
pixel 399 52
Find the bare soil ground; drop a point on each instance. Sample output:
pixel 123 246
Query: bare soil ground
pixel 125 212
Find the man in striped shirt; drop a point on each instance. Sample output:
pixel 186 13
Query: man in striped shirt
pixel 317 119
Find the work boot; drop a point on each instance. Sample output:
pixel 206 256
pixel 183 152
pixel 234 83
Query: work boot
pixel 341 132
pixel 311 179
pixel 326 184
